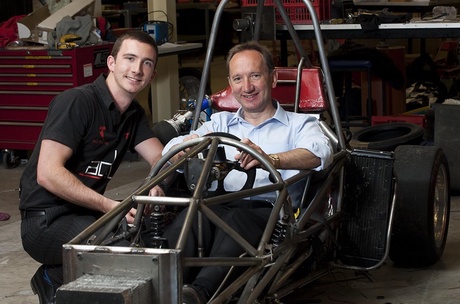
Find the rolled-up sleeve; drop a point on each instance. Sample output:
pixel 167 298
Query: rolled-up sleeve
pixel 312 138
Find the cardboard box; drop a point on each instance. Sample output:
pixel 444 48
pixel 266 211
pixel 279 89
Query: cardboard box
pixel 27 25
pixel 37 26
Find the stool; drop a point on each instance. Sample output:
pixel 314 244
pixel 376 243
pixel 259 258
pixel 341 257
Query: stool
pixel 337 65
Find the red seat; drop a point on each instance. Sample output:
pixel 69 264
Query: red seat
pixel 312 98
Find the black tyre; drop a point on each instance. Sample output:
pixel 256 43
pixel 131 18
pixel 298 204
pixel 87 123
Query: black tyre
pixel 386 137
pixel 422 207
pixel 10 160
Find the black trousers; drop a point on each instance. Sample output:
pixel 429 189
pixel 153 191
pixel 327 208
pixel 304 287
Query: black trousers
pixel 248 218
pixel 43 236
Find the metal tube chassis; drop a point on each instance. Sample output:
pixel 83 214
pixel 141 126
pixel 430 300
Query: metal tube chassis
pixel 272 271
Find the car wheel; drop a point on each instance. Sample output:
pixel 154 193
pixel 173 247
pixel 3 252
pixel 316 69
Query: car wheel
pixel 189 85
pixel 422 206
pixel 10 161
pixel 387 136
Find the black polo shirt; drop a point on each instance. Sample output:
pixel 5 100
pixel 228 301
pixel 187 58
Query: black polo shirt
pixel 86 120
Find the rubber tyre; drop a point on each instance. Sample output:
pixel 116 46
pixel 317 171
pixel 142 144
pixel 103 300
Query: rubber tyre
pixel 9 160
pixel 422 206
pixel 387 136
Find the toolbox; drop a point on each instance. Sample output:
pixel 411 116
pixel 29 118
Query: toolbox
pixel 30 79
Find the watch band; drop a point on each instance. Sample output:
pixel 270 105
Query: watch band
pixel 275 160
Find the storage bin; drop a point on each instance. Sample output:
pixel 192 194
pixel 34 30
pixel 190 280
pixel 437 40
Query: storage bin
pixel 297 10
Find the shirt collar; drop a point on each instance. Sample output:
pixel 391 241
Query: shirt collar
pixel 107 98
pixel 280 115
pixel 104 92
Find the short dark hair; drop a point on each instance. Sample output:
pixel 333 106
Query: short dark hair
pixel 255 46
pixel 135 35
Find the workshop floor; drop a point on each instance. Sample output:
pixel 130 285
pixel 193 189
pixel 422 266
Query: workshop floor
pixel 439 283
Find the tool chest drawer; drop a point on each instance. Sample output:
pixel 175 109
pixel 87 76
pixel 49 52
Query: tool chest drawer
pixel 30 79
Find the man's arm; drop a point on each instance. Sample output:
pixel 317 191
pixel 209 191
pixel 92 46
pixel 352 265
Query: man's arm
pixel 150 150
pixel 54 177
pixel 295 159
pixel 298 159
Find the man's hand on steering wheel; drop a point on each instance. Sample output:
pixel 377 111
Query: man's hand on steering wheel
pixel 246 160
pixel 186 138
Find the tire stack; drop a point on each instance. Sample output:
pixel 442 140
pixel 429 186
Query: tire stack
pixel 387 136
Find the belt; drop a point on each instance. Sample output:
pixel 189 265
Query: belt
pixel 25 214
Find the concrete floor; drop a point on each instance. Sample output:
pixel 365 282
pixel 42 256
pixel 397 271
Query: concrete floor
pixel 439 283
pixel 16 267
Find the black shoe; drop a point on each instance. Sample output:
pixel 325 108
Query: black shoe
pixel 193 295
pixel 45 290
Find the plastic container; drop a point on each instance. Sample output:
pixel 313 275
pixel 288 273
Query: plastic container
pixel 297 10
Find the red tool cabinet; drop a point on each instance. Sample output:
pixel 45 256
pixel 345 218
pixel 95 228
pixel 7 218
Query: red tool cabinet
pixel 29 79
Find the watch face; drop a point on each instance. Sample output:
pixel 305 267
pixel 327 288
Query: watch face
pixel 275 160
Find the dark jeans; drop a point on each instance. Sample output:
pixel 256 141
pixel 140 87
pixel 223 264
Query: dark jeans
pixel 43 236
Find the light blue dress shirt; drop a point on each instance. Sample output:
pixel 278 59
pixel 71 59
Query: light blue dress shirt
pixel 283 132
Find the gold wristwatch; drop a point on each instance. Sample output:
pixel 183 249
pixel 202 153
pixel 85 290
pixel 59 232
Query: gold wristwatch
pixel 275 160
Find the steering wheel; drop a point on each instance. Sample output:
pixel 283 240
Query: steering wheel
pixel 221 168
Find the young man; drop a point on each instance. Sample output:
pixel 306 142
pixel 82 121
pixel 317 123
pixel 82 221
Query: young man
pixel 289 140
pixel 87 132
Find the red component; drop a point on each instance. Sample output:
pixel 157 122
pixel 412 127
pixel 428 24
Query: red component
pixel 415 119
pixel 29 80
pixel 297 10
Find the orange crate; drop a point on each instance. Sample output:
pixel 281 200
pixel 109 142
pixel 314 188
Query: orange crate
pixel 297 10
pixel 415 119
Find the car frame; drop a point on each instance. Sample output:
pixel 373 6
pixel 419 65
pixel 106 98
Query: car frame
pixel 368 205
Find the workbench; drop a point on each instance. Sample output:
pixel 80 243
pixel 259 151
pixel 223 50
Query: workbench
pixel 420 29
pixel 416 6
pixel 385 31
pixel 169 48
pixel 408 30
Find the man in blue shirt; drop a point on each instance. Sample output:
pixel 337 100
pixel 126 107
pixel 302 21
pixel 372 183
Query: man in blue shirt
pixel 291 141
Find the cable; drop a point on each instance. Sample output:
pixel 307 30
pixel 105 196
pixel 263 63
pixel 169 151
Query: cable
pixel 170 26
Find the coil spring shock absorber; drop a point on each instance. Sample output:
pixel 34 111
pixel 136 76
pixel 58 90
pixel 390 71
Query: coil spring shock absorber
pixel 157 227
pixel 279 232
